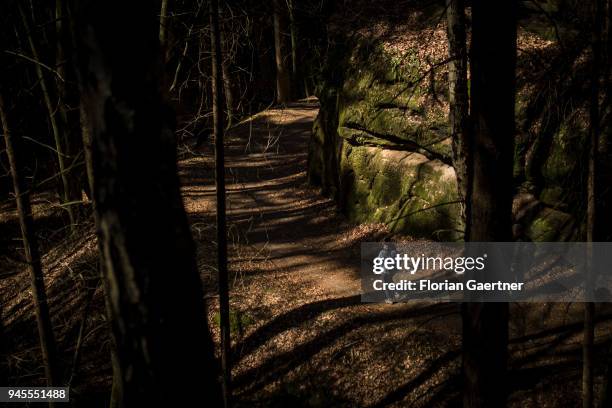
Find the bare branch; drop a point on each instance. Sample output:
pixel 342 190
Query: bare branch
pixel 35 61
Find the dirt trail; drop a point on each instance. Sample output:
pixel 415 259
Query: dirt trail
pixel 275 217
pixel 301 336
pixel 300 330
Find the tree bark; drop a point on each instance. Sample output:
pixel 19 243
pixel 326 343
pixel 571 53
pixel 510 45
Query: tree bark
pixel 589 307
pixel 588 337
pixel 32 256
pixel 148 256
pixel 163 30
pixel 87 143
pixel 229 96
pixel 458 99
pixel 227 78
pixel 116 388
pixel 282 76
pixel 295 77
pixel 217 93
pixel 493 60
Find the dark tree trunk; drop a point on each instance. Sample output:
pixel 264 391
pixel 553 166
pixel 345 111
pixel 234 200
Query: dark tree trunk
pixel 227 78
pixel 86 135
pixel 217 92
pixel 589 307
pixel 588 337
pixel 163 15
pixel 156 299
pixel 458 97
pixel 32 256
pixel 87 147
pixel 282 76
pixel 295 75
pixel 493 60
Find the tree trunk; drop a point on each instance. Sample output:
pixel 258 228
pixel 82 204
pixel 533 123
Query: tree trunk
pixel 116 389
pixel 60 62
pixel 217 93
pixel 185 48
pixel 55 126
pixel 66 97
pixel 229 97
pixel 163 30
pixel 156 301
pixel 587 354
pixel 493 60
pixel 86 135
pixel 458 98
pixel 32 256
pixel 227 79
pixel 295 77
pixel 282 76
pixel 589 307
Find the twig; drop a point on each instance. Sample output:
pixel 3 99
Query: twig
pixel 41 64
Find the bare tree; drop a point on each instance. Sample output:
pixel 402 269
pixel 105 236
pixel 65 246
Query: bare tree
pixel 589 307
pixel 294 45
pixel 282 76
pixel 493 61
pixel 157 310
pixel 458 97
pixel 32 255
pixel 53 119
pixel 227 78
pixel 163 28
pixel 217 92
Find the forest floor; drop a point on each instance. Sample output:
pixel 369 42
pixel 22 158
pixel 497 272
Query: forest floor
pixel 301 336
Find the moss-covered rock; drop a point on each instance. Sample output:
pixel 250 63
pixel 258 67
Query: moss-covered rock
pixel 551 225
pixel 381 141
pixel 562 170
pixel 405 190
pixel 380 149
pixel 385 98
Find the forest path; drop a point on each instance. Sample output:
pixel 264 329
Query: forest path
pixel 299 329
pixel 277 222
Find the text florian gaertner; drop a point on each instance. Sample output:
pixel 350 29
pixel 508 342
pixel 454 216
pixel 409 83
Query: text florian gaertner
pixel 403 263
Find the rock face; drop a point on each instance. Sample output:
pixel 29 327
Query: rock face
pixel 381 145
pixel 382 152
pixel 405 190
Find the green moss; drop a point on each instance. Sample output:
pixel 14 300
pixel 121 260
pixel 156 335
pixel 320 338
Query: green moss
pixel 386 187
pixel 373 103
pixel 239 321
pixel 393 127
pixel 561 161
pixel 382 96
pixel 551 225
pixel 552 196
pixel 406 191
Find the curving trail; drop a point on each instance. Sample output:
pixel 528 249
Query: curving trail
pixel 277 221
pixel 301 330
